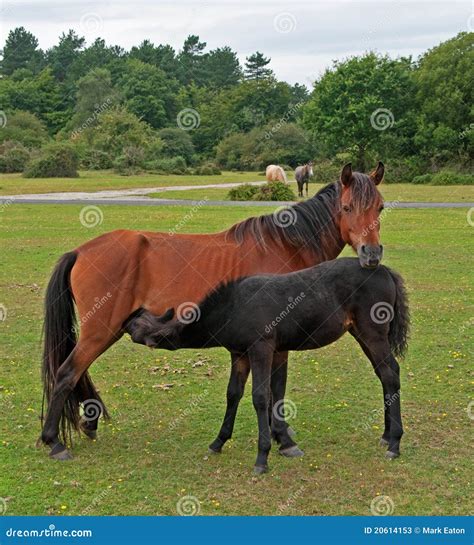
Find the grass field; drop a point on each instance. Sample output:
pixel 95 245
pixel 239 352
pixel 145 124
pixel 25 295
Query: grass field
pixel 154 450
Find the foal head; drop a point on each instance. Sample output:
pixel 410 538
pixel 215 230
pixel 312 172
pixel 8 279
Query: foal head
pixel 361 205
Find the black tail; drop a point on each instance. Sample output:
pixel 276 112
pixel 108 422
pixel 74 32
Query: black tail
pixel 400 325
pixel 59 332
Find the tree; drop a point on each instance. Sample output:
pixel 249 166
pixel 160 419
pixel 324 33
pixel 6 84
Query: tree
pixel 26 128
pixel 444 78
pixel 62 56
pixel 222 68
pixel 148 93
pixel 21 51
pixel 191 61
pixel 176 142
pixel 255 67
pixel 365 106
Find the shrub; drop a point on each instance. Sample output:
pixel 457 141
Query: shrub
pixel 173 165
pixel 26 128
pixel 403 170
pixel 244 192
pixel 95 159
pixel 55 161
pixel 130 162
pixel 207 169
pixel 444 178
pixel 275 191
pixel 13 157
pixel 325 172
pixel 177 143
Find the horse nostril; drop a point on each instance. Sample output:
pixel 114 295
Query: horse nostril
pixel 362 248
pixel 381 248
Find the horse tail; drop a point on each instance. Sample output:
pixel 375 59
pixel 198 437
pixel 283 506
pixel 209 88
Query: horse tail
pixel 59 332
pixel 283 173
pixel 400 325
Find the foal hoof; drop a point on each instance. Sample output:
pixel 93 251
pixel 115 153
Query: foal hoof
pixel 60 452
pixel 391 455
pixel 292 452
pixel 383 442
pixel 260 470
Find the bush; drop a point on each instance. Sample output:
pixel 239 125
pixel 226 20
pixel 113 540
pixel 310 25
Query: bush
pixel 245 192
pixel 177 143
pixel 272 191
pixel 325 172
pixel 207 169
pixel 55 161
pixel 13 157
pixel 95 159
pixel 173 165
pixel 26 128
pixel 444 178
pixel 130 162
pixel 275 191
pixel 403 170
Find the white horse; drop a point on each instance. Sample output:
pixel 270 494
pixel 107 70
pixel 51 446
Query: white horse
pixel 275 173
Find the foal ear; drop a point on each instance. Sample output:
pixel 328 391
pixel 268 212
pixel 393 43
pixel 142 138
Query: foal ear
pixel 167 316
pixel 346 174
pixel 377 174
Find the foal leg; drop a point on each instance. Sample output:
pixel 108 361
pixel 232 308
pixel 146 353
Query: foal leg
pixel 235 390
pixel 281 432
pixel 261 355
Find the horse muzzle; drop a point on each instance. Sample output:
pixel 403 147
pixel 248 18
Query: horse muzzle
pixel 370 256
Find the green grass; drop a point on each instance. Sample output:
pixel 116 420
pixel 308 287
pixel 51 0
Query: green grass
pixel 149 455
pixel 14 184
pixel 390 192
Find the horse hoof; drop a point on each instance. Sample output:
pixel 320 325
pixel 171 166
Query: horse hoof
pixel 291 432
pixel 292 452
pixel 92 434
pixel 391 455
pixel 61 455
pixel 260 470
pixel 214 451
pixel 383 442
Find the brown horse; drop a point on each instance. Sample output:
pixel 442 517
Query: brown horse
pixel 275 173
pixel 302 175
pixel 111 276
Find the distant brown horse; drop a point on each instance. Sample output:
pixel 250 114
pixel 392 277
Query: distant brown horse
pixel 275 173
pixel 302 175
pixel 111 276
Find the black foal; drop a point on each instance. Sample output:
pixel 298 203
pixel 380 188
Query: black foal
pixel 261 315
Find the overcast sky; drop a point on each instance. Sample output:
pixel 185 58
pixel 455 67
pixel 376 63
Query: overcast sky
pixel 302 37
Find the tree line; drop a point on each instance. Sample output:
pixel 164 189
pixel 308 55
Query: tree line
pixel 160 109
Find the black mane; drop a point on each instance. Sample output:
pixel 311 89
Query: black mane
pixel 311 223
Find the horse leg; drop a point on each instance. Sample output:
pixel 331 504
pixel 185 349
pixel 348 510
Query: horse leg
pixel 306 188
pixel 261 356
pixel 384 440
pixel 281 431
pixel 387 368
pixel 67 379
pixel 239 373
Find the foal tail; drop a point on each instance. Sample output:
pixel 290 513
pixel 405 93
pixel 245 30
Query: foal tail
pixel 400 325
pixel 59 331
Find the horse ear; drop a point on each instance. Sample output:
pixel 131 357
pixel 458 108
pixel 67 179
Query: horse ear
pixel 346 174
pixel 377 174
pixel 167 316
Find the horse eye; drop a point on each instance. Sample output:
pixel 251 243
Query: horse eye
pixel 381 208
pixel 346 208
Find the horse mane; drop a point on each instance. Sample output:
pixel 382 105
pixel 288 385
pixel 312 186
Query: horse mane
pixel 312 222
